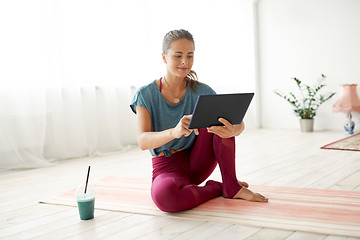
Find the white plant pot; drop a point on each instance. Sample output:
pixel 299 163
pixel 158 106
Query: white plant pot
pixel 307 125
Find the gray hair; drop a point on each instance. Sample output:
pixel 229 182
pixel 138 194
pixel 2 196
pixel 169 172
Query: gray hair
pixel 175 35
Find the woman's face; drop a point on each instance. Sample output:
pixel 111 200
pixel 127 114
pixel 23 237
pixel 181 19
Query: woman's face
pixel 180 57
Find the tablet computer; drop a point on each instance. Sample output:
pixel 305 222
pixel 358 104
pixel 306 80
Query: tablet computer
pixel 209 108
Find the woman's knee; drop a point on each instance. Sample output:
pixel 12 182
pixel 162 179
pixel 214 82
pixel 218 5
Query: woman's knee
pixel 228 143
pixel 165 194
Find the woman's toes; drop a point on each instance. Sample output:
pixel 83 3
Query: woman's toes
pixel 247 194
pixel 259 198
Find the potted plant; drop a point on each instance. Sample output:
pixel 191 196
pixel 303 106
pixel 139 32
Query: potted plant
pixel 307 103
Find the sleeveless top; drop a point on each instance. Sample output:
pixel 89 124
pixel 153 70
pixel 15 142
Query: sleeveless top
pixel 164 115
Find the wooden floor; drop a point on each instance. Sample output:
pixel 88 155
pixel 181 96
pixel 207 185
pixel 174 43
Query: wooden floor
pixel 268 157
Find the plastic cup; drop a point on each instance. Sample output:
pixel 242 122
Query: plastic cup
pixel 85 201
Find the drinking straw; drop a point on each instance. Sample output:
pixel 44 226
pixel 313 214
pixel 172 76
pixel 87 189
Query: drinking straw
pixel 87 179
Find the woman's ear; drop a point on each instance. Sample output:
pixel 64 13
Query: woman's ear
pixel 164 57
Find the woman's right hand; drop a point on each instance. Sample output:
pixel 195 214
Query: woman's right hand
pixel 151 140
pixel 182 128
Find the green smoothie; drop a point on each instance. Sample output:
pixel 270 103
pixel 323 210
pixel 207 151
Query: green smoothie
pixel 86 206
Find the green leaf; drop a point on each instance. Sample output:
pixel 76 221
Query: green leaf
pixel 307 104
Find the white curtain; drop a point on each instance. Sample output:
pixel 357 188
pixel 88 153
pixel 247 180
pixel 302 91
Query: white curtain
pixel 41 124
pixel 69 68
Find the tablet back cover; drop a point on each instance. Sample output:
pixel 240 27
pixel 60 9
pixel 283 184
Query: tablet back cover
pixel 209 108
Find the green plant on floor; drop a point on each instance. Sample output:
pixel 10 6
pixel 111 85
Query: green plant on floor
pixel 307 103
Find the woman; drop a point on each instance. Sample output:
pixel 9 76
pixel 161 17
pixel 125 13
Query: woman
pixel 183 158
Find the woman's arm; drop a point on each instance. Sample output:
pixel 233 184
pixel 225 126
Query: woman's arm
pixel 151 140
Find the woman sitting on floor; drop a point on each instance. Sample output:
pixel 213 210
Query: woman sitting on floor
pixel 184 158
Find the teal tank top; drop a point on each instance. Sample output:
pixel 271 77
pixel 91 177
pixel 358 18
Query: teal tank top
pixel 165 115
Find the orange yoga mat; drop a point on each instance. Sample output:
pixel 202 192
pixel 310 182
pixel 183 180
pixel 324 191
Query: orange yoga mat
pixel 298 209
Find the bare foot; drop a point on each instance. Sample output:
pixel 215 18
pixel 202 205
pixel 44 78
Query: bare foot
pixel 244 184
pixel 247 194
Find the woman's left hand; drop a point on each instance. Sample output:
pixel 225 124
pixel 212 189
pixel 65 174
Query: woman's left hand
pixel 228 130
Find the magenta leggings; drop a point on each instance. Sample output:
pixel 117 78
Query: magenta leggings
pixel 176 178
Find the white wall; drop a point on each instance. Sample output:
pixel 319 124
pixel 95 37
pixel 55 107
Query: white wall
pixel 303 39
